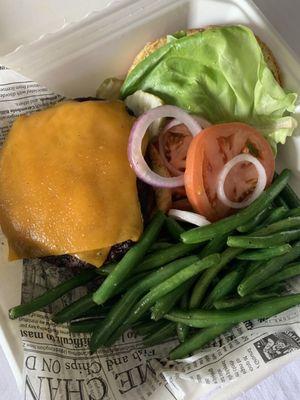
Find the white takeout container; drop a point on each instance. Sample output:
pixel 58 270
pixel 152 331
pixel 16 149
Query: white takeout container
pixel 75 59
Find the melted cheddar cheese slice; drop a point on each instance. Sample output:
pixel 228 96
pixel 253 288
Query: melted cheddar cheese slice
pixel 94 257
pixel 65 182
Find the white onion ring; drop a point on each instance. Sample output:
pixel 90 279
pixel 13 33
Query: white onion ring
pixel 137 133
pixel 188 216
pixel 174 122
pixel 201 121
pixel 260 186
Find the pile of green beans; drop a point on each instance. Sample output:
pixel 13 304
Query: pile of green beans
pixel 174 282
pixel 124 306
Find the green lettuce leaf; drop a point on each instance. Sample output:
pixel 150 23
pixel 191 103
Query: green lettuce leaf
pixel 175 36
pixel 221 75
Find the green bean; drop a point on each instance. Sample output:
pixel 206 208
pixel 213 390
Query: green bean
pixel 164 256
pixel 226 225
pixel 158 337
pixel 279 288
pixel 295 212
pixel 115 336
pixel 159 246
pixel 106 269
pixel 254 266
pixel 241 301
pixel 215 245
pixel 74 309
pixel 276 214
pixel 132 280
pixel 52 294
pixel 215 280
pixel 149 327
pixel 197 341
pixel 225 286
pixel 111 341
pixel 182 332
pixel 123 307
pixel 258 219
pixel 264 254
pixel 279 226
pixel 290 197
pixel 181 329
pixel 174 228
pixel 166 303
pixel 280 202
pixel 127 283
pixel 236 302
pixel 170 284
pixel 263 309
pixel 206 278
pixel 131 260
pixel 250 283
pixel 87 325
pixel 201 286
pixel 288 272
pixel 262 242
pixel 95 311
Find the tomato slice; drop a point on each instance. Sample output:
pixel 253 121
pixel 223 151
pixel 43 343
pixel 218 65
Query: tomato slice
pixel 173 147
pixel 209 151
pixel 182 204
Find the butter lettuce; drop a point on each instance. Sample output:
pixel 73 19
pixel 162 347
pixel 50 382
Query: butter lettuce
pixel 219 74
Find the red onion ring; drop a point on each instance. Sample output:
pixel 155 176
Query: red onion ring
pixel 188 216
pixel 260 186
pixel 137 134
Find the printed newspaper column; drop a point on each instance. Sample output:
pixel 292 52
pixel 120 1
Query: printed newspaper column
pixel 18 96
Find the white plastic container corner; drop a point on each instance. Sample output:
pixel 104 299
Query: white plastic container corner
pixel 75 59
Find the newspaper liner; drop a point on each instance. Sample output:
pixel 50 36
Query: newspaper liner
pixel 58 365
